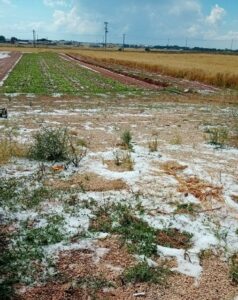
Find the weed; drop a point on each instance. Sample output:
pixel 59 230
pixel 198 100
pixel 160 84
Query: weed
pixel 203 254
pixel 142 272
pixel 33 199
pixel 26 260
pixel 217 136
pixel 76 155
pixel 153 144
pixel 124 160
pixel 126 139
pixel 94 283
pixel 176 140
pixel 8 189
pixel 139 237
pixel 233 271
pixel 186 208
pixel 43 236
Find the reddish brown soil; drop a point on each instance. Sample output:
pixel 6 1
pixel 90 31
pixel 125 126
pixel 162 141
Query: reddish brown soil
pixel 7 63
pixel 114 75
pixel 150 81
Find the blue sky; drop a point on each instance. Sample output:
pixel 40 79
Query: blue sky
pixel 200 22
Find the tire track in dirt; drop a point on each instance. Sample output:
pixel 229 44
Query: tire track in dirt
pixel 128 80
pixel 8 64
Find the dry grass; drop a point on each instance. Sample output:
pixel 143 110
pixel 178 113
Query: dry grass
pixel 219 70
pixel 10 149
pixel 121 162
pixel 89 182
pixel 192 185
pixel 199 189
pixel 172 167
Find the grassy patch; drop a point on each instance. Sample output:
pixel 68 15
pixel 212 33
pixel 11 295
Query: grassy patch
pixel 142 272
pixel 26 260
pixel 15 194
pixel 139 237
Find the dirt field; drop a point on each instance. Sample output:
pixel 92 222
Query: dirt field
pixel 143 202
pixel 157 184
pixel 7 62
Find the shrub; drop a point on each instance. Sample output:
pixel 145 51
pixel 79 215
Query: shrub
pixel 217 136
pixel 50 144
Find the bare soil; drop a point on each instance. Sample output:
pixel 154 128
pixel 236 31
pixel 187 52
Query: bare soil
pixel 7 63
pixel 142 79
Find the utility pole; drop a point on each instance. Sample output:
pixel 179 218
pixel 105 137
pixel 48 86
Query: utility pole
pixel 232 42
pixel 34 38
pixel 123 41
pixel 106 32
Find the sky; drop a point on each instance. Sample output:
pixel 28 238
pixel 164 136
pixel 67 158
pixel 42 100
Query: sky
pixel 207 23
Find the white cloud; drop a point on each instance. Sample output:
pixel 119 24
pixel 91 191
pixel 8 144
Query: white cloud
pixel 8 2
pixel 53 3
pixel 74 22
pixel 216 15
pixel 187 6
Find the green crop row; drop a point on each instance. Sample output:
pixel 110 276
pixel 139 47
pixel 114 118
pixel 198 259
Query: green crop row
pixel 47 73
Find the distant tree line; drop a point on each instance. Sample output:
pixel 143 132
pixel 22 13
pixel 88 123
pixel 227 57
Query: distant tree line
pixel 14 40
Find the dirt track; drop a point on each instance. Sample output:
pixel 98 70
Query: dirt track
pixel 7 63
pixel 114 75
pixel 151 80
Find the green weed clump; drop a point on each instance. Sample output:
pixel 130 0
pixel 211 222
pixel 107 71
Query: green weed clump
pixel 234 268
pixel 135 233
pixel 142 272
pixel 139 237
pixel 126 139
pixel 217 136
pixel 50 145
pixel 25 260
pixel 186 208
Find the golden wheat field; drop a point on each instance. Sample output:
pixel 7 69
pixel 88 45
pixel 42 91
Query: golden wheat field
pixel 220 70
